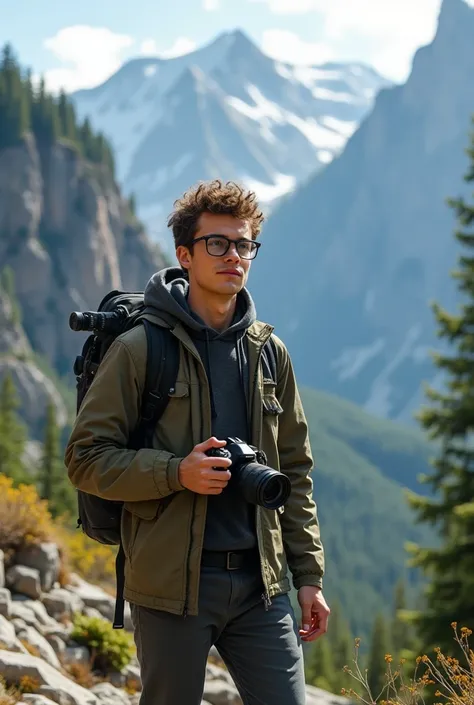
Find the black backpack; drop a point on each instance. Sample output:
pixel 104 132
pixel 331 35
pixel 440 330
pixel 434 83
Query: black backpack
pixel 118 312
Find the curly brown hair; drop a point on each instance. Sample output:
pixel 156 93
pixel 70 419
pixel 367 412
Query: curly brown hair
pixel 213 197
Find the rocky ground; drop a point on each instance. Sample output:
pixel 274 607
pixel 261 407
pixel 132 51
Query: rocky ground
pixel 37 651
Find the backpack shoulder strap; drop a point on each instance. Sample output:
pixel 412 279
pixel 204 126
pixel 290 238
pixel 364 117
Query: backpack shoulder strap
pixel 269 360
pixel 161 371
pixel 162 363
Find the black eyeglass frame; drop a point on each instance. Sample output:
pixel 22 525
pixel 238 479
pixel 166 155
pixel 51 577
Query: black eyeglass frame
pixel 206 238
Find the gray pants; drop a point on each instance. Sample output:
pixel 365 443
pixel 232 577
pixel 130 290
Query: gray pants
pixel 260 648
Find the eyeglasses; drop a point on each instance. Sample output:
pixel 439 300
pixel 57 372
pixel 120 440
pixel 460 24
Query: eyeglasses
pixel 218 245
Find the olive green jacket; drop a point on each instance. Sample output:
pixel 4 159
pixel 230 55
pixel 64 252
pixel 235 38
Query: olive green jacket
pixel 163 523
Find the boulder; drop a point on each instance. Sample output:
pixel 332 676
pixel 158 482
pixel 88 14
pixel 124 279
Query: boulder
pixel 14 666
pixel 109 695
pixel 5 602
pixel 32 637
pixel 26 581
pixel 8 638
pixel 60 603
pixel 45 558
pixel 220 692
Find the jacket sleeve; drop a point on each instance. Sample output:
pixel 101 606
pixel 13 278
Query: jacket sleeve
pixel 97 458
pixel 299 521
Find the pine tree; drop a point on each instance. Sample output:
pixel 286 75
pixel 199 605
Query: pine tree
pixel 319 665
pixel 67 118
pixel 379 648
pixel 53 480
pixel 45 117
pixel 399 628
pixel 7 286
pixel 86 139
pixel 132 204
pixel 13 434
pixel 450 420
pixel 341 643
pixel 14 112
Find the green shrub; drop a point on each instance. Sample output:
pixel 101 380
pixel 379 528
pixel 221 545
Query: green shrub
pixel 110 649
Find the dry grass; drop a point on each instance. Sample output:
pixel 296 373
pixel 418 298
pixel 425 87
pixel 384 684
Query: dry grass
pixel 31 648
pixel 8 694
pixel 82 674
pixel 451 680
pixel 132 686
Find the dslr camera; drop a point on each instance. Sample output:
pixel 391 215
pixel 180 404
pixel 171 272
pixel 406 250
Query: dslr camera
pixel 258 483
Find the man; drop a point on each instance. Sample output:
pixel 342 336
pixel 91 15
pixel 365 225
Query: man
pixel 204 566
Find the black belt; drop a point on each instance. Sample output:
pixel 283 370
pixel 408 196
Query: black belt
pixel 229 560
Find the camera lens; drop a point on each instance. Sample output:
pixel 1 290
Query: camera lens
pixel 274 492
pixel 76 321
pixel 262 485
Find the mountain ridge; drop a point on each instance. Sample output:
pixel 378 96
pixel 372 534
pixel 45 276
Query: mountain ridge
pixel 380 237
pixel 292 119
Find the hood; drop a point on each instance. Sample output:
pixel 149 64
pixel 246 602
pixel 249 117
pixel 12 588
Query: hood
pixel 167 292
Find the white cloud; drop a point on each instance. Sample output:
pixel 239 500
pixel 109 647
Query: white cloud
pixel 289 7
pixel 393 29
pixel 149 47
pixel 210 5
pixel 91 55
pixel 287 46
pixel 182 45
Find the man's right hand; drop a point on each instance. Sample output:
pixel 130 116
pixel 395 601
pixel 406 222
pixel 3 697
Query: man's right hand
pixel 196 469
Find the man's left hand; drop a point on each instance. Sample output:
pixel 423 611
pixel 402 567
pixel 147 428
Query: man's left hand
pixel 314 613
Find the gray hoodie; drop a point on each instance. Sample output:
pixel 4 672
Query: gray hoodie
pixel 230 520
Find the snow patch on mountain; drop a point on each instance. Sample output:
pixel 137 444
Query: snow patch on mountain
pixel 225 110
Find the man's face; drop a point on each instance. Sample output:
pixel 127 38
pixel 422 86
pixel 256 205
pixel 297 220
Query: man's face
pixel 222 274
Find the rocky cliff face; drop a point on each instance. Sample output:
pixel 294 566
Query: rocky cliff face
pixel 69 237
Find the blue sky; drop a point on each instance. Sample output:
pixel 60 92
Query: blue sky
pixel 79 44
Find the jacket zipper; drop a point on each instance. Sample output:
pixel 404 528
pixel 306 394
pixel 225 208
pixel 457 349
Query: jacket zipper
pixel 188 556
pixel 265 595
pixel 188 560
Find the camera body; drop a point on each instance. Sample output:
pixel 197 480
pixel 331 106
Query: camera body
pixel 258 483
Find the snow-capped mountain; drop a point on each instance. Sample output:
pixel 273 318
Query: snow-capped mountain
pixel 356 255
pixel 225 110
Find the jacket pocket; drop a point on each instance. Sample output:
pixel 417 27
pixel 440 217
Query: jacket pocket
pixel 140 513
pixel 271 411
pixel 179 391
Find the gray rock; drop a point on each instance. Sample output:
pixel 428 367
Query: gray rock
pixel 132 671
pixel 58 644
pixel 19 624
pixel 92 596
pixel 219 692
pixel 60 697
pixel 14 666
pixel 45 558
pixel 8 637
pixel 214 672
pixel 23 612
pixel 76 654
pixel 5 602
pixel 318 696
pixel 42 616
pixel 2 569
pixel 45 650
pixel 107 693
pixel 35 699
pixel 62 603
pixel 20 578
